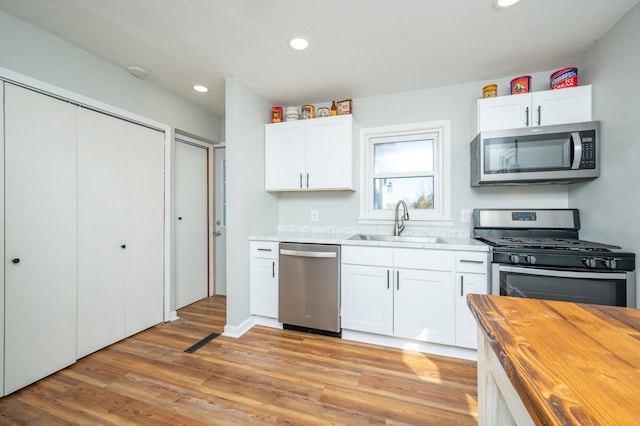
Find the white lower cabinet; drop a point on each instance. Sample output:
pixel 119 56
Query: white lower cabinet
pixel 411 301
pixel 411 293
pixel 367 298
pixel 423 306
pixel 471 277
pixel 264 278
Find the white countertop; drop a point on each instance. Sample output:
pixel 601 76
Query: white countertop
pixel 450 243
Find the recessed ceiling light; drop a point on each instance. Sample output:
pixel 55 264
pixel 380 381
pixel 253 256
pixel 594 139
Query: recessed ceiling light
pixel 137 71
pixel 503 4
pixel 201 89
pixel 298 43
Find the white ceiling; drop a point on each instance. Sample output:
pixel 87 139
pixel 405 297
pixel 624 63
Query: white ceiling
pixel 357 47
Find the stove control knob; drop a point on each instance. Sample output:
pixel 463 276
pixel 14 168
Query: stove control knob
pixel 589 261
pixel 530 259
pixel 514 258
pixel 609 263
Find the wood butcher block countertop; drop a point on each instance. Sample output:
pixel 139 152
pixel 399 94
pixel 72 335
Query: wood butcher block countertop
pixel 570 363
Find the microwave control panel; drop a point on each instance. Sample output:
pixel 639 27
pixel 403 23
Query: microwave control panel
pixel 588 160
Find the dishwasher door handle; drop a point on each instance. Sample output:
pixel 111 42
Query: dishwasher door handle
pixel 297 253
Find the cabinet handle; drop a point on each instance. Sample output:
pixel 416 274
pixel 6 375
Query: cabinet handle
pixel 300 180
pixel 388 279
pixel 273 269
pixel 397 280
pixel 16 260
pixel 471 261
pixel 123 246
pixel 264 249
pixel 539 114
pixel 461 285
pixel 527 117
pixel 307 180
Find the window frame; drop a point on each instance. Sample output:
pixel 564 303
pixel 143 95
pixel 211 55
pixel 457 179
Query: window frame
pixel 441 213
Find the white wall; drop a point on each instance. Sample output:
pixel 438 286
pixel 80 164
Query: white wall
pixel 28 50
pixel 610 205
pixel 456 103
pixel 251 210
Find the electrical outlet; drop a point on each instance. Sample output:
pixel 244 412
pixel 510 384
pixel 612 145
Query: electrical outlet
pixel 314 215
pixel 465 216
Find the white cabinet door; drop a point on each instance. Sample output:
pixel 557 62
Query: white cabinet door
pixel 285 156
pixel 367 299
pixel 570 105
pixel 466 328
pixel 101 230
pixel 144 295
pixel 549 107
pixel 40 236
pixel 329 153
pixel 424 306
pixel 504 112
pixel 264 287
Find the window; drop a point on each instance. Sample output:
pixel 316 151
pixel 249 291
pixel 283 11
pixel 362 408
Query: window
pixel 406 162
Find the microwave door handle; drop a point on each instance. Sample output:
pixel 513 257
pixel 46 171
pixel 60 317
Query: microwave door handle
pixel 577 150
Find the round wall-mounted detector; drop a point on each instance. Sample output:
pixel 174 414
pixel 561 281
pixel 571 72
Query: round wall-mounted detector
pixel 137 71
pixel 200 88
pixel 503 4
pixel 298 43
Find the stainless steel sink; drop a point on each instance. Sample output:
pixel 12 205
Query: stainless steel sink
pixel 398 239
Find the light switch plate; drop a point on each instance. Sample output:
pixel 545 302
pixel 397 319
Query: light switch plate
pixel 314 215
pixel 465 216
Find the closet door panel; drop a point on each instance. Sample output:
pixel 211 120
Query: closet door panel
pixel 144 227
pixel 40 236
pixel 101 227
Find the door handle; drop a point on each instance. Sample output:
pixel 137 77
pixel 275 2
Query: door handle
pixel 218 233
pixel 123 246
pixel 16 260
pixel 180 218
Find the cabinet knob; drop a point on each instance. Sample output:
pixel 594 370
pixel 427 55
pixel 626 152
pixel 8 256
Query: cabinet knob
pixel 16 260
pixel 123 246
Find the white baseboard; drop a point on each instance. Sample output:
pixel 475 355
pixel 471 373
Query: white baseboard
pixel 236 331
pixel 411 345
pixel 267 322
pixel 173 315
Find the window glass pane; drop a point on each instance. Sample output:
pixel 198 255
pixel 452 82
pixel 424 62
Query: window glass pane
pixel 417 192
pixel 403 157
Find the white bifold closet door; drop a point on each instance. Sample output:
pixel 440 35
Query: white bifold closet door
pixel 40 236
pixel 120 229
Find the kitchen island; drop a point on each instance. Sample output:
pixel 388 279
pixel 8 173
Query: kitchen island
pixel 549 362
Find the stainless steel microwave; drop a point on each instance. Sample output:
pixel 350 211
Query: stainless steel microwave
pixel 549 154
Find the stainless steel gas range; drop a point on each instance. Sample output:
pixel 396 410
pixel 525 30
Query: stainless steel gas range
pixel 536 253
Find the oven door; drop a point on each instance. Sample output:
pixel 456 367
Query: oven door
pixel 599 288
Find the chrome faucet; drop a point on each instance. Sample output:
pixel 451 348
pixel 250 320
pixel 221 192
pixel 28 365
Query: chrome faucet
pixel 399 227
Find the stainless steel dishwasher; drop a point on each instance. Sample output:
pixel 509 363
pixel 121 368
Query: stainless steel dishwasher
pixel 309 287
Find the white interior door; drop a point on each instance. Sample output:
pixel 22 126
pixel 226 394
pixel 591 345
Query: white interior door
pixel 40 236
pixel 221 222
pixel 101 230
pixel 144 292
pixel 191 223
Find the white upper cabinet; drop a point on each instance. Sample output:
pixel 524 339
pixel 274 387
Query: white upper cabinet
pixel 306 155
pixel 569 105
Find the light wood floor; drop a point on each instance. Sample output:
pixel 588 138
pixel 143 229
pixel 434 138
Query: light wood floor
pixel 267 376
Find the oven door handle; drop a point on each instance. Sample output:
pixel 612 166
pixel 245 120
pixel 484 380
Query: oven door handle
pixel 562 273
